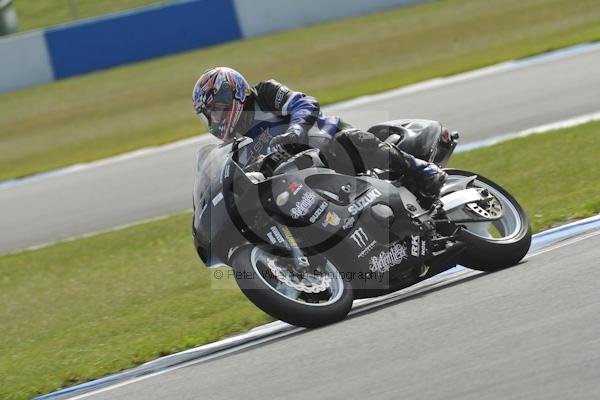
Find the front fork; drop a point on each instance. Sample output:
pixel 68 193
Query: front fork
pixel 301 262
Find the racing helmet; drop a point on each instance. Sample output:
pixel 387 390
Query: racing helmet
pixel 219 97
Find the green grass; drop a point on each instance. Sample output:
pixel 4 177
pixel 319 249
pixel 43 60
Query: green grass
pixel 86 308
pixel 555 176
pixel 82 309
pixel 118 110
pixel 35 14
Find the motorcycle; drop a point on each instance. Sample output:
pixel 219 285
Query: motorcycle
pixel 304 241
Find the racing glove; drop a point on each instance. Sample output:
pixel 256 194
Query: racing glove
pixel 292 135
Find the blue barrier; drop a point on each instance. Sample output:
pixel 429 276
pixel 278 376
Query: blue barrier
pixel 156 31
pixel 140 35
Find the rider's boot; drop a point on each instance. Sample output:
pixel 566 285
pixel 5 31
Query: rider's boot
pixel 428 176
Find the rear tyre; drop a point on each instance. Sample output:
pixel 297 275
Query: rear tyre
pixel 494 245
pixel 281 301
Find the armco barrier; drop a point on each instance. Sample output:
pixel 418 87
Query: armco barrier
pixel 258 17
pixel 155 31
pixel 140 35
pixel 24 61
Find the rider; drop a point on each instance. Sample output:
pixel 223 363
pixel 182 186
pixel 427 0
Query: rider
pixel 274 115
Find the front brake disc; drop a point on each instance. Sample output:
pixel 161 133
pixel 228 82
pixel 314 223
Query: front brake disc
pixel 307 283
pixel 489 208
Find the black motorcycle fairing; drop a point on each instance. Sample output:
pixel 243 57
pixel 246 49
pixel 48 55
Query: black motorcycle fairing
pixel 357 240
pixel 214 232
pixel 233 211
pixel 210 217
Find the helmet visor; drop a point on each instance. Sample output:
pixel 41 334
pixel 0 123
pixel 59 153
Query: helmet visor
pixel 220 118
pixel 221 115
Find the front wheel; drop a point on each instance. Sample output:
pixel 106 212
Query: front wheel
pixel 310 300
pixel 502 236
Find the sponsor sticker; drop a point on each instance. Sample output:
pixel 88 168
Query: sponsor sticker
pixel 275 232
pixel 218 198
pixel 367 249
pixel 302 206
pixel 295 187
pixel 364 201
pixel 242 90
pixel 387 259
pixel 360 237
pixel 289 237
pixel 262 141
pixel 271 238
pixel 280 96
pixel 318 212
pixel 331 219
pixel 348 223
pixel 415 248
pixel 226 171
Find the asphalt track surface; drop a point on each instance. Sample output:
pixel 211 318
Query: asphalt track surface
pixel 502 100
pixel 528 332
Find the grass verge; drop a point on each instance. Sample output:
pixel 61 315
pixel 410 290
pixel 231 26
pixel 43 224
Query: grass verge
pixel 118 110
pixel 35 14
pixel 555 176
pixel 82 309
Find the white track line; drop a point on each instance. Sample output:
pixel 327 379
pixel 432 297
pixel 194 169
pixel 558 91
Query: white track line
pixel 366 305
pixel 565 123
pixel 469 75
pixel 565 243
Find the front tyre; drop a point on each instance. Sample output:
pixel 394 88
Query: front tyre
pixel 265 279
pixel 498 243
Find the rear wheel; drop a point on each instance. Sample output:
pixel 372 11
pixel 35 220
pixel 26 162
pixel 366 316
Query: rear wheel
pixel 502 235
pixel 309 299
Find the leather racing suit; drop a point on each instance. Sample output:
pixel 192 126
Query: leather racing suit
pixel 278 114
